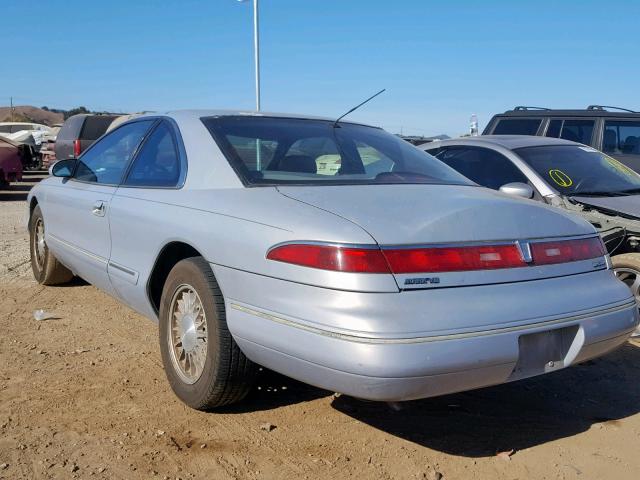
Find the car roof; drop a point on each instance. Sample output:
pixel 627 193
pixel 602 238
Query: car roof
pixel 578 112
pixel 510 142
pixel 199 113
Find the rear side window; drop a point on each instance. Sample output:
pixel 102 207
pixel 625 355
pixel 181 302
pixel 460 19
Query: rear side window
pixel 517 126
pixel 95 126
pixel 157 164
pixel 579 131
pixel 106 160
pixel 621 137
pixel 482 165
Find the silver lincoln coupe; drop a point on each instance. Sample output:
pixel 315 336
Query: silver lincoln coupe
pixel 332 252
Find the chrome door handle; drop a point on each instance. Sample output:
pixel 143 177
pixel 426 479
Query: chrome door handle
pixel 99 208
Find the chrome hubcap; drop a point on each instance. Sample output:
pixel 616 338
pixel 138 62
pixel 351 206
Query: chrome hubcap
pixel 187 334
pixel 632 279
pixel 39 247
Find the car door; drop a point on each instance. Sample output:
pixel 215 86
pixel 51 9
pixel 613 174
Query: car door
pixel 77 210
pixel 145 214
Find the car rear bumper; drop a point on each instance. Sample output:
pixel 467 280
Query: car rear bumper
pixel 395 367
pixel 406 369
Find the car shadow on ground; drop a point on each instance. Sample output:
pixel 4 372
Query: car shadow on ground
pixel 9 196
pixel 273 390
pixel 17 192
pixel 514 416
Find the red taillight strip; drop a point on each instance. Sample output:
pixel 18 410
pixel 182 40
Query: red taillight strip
pixel 563 251
pixel 453 258
pixel 331 257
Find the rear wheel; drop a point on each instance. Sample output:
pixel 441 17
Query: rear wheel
pixel 204 365
pixel 627 269
pixel 47 270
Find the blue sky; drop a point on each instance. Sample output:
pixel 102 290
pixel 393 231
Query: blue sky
pixel 439 61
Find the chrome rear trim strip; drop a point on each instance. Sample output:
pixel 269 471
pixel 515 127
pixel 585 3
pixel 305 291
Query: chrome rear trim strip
pixel 435 338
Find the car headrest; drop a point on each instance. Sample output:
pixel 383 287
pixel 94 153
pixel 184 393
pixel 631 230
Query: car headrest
pixel 631 144
pixel 609 141
pixel 298 163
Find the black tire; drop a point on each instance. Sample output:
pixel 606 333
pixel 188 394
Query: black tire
pixel 47 270
pixel 627 269
pixel 227 375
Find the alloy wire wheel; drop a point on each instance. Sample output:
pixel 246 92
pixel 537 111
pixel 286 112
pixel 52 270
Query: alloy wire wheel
pixel 47 270
pixel 205 367
pixel 39 246
pixel 188 334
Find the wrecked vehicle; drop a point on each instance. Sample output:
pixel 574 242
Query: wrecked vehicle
pixel 10 163
pixel 562 173
pixel 23 132
pixel 30 137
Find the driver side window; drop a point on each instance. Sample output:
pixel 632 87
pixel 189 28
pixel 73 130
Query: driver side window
pixel 106 160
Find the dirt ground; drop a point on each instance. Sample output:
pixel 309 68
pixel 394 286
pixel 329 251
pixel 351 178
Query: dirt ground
pixel 84 395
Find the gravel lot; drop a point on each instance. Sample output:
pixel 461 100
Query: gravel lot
pixel 84 396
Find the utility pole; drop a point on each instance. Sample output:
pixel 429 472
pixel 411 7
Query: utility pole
pixel 11 100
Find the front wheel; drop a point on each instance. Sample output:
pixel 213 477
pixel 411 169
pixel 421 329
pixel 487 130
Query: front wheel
pixel 203 364
pixel 627 269
pixel 47 270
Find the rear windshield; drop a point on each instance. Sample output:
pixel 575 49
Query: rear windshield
pixel 280 151
pixel 580 170
pixel 517 126
pixel 95 126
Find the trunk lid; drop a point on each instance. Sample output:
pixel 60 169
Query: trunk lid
pixel 402 215
pixel 417 214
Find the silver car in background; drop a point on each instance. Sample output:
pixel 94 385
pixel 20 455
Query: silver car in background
pixel 562 173
pixel 332 252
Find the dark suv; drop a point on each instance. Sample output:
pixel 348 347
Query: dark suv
pixel 79 132
pixel 613 130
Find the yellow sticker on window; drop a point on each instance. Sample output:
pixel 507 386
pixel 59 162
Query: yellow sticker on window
pixel 560 178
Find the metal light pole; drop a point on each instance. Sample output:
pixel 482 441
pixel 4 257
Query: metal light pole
pixel 256 49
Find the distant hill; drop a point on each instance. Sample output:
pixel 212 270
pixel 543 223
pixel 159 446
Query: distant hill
pixel 31 114
pixel 44 115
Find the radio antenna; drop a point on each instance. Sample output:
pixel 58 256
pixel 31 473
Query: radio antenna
pixel 335 124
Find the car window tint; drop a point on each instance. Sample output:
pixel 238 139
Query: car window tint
pixel 323 152
pixel 621 137
pixel 107 159
pixel 485 167
pixel 517 126
pixel 575 130
pixel 310 151
pixel 373 160
pixel 247 149
pixel 95 126
pixel 157 164
pixel 554 129
pixel 5 128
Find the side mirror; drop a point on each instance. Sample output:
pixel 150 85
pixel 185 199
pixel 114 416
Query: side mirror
pixel 63 168
pixel 517 189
